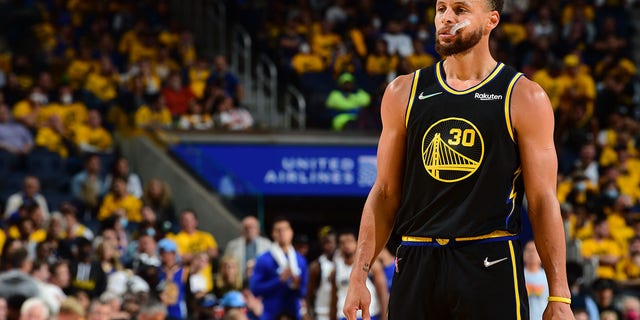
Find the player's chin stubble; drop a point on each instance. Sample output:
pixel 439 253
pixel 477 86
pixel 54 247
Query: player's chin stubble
pixel 460 45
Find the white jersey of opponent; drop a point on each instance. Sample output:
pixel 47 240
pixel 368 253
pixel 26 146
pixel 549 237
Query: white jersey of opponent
pixel 343 272
pixel 323 294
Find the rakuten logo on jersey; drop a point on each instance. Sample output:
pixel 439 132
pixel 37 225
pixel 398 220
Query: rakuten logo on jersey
pixel 487 96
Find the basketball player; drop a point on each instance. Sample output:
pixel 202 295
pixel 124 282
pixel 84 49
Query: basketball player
pixel 461 142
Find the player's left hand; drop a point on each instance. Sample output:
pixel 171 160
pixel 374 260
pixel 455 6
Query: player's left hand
pixel 557 311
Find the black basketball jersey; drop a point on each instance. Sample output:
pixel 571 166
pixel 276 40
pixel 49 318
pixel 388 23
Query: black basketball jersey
pixel 462 170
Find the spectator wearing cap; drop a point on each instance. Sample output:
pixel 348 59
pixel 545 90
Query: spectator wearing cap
pixel 345 102
pixel 173 280
pixel 249 245
pixel 580 88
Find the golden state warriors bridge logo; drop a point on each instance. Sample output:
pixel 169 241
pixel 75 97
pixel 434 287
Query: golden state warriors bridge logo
pixel 452 149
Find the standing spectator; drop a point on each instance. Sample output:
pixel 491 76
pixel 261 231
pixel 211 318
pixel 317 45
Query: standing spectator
pixel 231 117
pixel 249 245
pixel 101 87
pixel 535 280
pixel 87 186
pixel 14 136
pixel 92 136
pixel 319 287
pixel 605 293
pixel 191 241
pixel 280 275
pixel 345 102
pixel 230 81
pixel 121 169
pixel 30 194
pixel 60 275
pixel 198 76
pixel 376 282
pixel 173 278
pixel 86 273
pixel 177 95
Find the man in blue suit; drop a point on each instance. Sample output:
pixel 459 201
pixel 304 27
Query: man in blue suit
pixel 280 275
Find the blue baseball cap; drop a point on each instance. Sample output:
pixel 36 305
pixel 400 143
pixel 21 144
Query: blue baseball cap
pixel 233 299
pixel 167 245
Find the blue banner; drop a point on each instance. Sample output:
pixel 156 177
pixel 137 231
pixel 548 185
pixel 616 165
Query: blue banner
pixel 283 169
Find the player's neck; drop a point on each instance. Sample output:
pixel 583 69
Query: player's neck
pixel 474 65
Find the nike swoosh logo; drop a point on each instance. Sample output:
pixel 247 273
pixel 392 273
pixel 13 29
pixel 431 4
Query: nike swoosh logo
pixel 422 96
pixel 488 263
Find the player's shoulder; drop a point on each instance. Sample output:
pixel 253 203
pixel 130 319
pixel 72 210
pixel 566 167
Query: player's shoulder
pixel 528 91
pixel 401 84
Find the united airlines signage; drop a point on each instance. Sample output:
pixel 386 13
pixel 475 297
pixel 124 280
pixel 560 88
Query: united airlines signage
pixel 282 169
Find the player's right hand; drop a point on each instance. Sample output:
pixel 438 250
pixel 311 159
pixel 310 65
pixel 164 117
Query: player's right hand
pixel 358 298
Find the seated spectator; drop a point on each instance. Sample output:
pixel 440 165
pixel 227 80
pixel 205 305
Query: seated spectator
pixel 195 118
pixel 72 112
pixel 305 61
pixel 54 137
pixel 26 111
pixel 231 83
pixel 80 67
pixel 603 248
pixel 157 196
pixel 34 308
pixel 88 186
pixel 86 273
pixel 325 41
pixel 604 291
pixel 398 42
pixel 229 277
pixel 177 96
pixel 29 226
pixel 153 116
pixel 163 66
pixel 146 253
pixel 16 280
pixel 73 228
pixel 70 309
pixel 151 81
pixel 380 64
pixel 199 74
pixel 108 257
pixel 102 85
pixel 419 58
pixel 14 136
pixel 119 202
pixel 92 136
pixel 197 281
pixel 345 102
pixel 231 117
pixel 121 169
pixel 30 194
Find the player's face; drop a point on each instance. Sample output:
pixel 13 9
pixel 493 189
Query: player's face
pixel 450 12
pixel 348 244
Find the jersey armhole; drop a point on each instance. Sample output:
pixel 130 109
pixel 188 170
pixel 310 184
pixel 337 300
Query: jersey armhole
pixel 507 107
pixel 414 85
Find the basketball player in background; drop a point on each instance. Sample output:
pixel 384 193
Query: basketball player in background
pixel 461 142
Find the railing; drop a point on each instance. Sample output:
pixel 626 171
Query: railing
pixel 295 109
pixel 266 92
pixel 240 61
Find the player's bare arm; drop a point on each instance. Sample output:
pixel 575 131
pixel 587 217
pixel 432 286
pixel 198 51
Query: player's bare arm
pixel 533 121
pixel 384 198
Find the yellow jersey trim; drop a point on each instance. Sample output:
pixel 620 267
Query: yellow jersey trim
pixel 446 87
pixel 515 280
pixel 414 85
pixel 507 105
pixel 494 234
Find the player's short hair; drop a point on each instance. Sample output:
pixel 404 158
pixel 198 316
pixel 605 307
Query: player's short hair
pixel 496 5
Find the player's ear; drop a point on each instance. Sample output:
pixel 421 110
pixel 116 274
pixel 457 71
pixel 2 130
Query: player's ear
pixel 494 19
